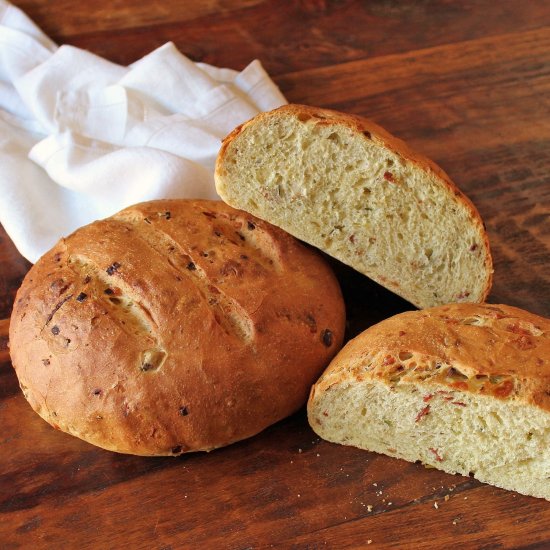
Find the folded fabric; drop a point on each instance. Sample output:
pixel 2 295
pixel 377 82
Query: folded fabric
pixel 81 137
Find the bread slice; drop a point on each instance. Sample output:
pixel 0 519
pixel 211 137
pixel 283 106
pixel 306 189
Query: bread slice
pixel 346 186
pixel 464 388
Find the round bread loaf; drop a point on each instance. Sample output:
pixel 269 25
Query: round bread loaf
pixel 174 326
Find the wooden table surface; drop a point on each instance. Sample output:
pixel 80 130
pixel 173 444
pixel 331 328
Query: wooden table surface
pixel 465 82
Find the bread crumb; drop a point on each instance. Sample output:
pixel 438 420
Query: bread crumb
pixel 369 507
pixel 447 498
pixel 299 450
pixel 369 541
pixel 436 506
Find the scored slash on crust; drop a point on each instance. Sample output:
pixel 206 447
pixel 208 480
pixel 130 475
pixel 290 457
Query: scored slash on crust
pixel 227 312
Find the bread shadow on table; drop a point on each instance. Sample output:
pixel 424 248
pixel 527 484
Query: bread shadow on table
pixel 367 302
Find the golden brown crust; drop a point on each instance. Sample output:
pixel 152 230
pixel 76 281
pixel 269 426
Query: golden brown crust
pixel 495 350
pixel 174 326
pixel 372 131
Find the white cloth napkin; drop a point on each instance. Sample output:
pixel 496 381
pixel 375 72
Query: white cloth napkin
pixel 81 137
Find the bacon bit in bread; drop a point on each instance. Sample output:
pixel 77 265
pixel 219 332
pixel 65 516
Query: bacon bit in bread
pixel 113 268
pixel 516 329
pixel 496 315
pixel 388 360
pixel 423 412
pixel 504 390
pixel 446 395
pixel 451 321
pixel 428 397
pixel 326 337
pixel 435 452
pixel 325 413
pixel 311 323
pixel 115 291
pixel 388 176
pixel 460 385
pixel 352 239
pixel 524 343
pixel 459 403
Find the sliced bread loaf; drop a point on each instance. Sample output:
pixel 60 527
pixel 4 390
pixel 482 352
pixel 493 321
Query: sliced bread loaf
pixel 346 186
pixel 464 388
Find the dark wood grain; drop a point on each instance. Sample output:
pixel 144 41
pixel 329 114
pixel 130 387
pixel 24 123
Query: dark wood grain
pixel 466 83
pixel 12 270
pixel 4 327
pixel 287 36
